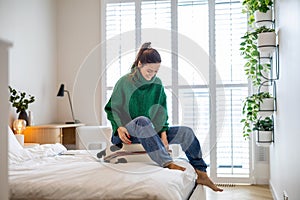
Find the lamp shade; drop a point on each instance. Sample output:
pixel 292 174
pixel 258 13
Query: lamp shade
pixel 61 90
pixel 60 93
pixel 19 125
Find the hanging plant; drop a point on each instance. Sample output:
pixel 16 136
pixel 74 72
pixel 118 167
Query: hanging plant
pixel 264 129
pixel 250 110
pixel 266 40
pixel 263 19
pixel 250 6
pixel 265 124
pixel 249 50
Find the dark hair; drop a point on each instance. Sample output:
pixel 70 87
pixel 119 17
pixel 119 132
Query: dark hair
pixel 146 55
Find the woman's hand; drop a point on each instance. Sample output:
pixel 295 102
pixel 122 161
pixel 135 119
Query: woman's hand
pixel 165 140
pixel 124 135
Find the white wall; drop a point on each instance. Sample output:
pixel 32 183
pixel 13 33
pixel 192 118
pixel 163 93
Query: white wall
pixel 78 32
pixel 31 26
pixel 284 154
pixel 4 63
pixel 52 39
pixel 35 66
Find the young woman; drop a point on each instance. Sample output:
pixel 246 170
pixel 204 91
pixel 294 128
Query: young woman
pixel 137 111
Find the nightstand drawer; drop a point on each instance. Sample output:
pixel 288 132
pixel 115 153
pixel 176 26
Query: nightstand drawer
pixel 42 135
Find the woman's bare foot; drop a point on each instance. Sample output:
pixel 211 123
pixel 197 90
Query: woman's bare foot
pixel 203 179
pixel 174 166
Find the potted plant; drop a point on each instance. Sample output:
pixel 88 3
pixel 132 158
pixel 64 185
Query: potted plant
pixel 264 129
pixel 263 18
pixel 266 107
pixel 266 40
pixel 253 67
pixel 250 110
pixel 258 8
pixel 20 101
pixel 265 124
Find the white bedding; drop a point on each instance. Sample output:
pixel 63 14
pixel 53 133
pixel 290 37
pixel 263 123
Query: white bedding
pixel 81 176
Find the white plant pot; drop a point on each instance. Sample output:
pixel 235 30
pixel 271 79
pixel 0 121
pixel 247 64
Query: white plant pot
pixel 266 42
pixel 264 138
pixel 266 108
pixel 263 19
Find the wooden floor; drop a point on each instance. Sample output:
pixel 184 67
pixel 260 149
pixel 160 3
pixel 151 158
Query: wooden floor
pixel 238 192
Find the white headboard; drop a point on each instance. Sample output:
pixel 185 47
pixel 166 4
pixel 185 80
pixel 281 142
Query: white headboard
pixel 89 136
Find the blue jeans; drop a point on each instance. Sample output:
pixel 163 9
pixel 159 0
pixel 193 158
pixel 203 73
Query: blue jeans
pixel 141 131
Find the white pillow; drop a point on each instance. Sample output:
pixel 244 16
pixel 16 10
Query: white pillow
pixel 16 152
pixel 13 143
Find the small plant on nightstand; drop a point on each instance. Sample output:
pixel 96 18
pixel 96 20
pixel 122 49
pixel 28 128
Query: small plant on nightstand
pixel 20 101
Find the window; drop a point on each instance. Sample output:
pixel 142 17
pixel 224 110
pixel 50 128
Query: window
pixel 201 68
pixel 232 150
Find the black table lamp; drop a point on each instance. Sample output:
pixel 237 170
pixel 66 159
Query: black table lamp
pixel 61 93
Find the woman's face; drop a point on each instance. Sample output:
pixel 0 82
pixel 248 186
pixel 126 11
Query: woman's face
pixel 149 70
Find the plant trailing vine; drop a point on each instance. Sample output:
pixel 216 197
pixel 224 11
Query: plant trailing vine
pixel 250 53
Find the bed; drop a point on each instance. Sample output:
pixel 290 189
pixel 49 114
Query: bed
pixel 51 171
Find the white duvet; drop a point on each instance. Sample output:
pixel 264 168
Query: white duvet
pixel 80 176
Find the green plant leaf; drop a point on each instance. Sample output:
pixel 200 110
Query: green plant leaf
pixel 19 99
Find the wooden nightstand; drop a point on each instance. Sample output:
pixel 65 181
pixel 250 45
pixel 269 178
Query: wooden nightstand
pixel 51 134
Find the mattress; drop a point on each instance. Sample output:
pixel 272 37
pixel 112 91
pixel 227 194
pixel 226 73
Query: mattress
pixel 76 174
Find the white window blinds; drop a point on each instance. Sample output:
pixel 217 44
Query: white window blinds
pixel 232 150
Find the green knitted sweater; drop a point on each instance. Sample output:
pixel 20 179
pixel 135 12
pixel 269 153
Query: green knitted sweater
pixel 134 96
